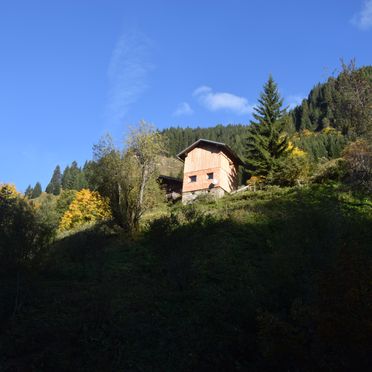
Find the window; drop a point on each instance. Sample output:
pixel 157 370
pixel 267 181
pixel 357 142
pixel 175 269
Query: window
pixel 192 179
pixel 209 176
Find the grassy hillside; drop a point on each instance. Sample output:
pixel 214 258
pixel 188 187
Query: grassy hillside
pixel 267 281
pixel 169 166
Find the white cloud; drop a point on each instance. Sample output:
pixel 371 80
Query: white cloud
pixel 293 101
pixel 202 90
pixel 183 109
pixel 215 101
pixel 127 74
pixel 363 19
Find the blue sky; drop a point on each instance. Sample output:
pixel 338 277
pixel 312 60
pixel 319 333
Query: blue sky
pixel 72 70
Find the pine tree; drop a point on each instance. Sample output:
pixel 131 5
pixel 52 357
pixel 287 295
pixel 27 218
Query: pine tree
pixel 66 178
pixel 266 141
pixel 37 190
pixel 28 192
pixel 305 119
pixel 73 178
pixel 54 186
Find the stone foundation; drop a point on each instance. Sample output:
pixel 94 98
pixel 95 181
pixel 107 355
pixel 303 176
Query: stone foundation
pixel 190 196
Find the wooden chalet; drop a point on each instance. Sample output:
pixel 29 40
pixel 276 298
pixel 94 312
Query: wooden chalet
pixel 209 167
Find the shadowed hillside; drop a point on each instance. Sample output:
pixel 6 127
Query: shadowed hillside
pixel 272 280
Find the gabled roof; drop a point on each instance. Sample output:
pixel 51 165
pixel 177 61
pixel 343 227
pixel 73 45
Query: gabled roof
pixel 223 147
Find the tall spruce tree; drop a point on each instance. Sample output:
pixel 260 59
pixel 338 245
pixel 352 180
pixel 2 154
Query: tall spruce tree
pixel 28 192
pixel 266 141
pixel 37 190
pixel 66 178
pixel 54 186
pixel 73 178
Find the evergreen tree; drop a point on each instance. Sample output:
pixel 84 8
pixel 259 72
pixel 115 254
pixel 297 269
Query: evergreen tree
pixel 179 138
pixel 305 119
pixel 28 192
pixel 54 186
pixel 88 171
pixel 66 178
pixel 266 141
pixel 73 178
pixel 37 190
pixel 343 103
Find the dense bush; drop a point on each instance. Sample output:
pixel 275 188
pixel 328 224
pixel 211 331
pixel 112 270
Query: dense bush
pixel 291 170
pixel 358 157
pixel 329 171
pixel 24 236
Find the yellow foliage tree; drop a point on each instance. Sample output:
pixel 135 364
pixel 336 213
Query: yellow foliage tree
pixel 88 206
pixel 295 151
pixel 8 191
pixel 256 181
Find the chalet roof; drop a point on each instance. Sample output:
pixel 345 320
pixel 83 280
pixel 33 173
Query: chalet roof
pixel 225 148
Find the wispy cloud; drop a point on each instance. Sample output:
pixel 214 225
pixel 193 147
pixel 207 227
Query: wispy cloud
pixel 215 101
pixel 363 19
pixel 127 74
pixel 183 109
pixel 293 101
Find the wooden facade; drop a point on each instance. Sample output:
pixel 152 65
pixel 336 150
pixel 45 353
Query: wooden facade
pixel 208 167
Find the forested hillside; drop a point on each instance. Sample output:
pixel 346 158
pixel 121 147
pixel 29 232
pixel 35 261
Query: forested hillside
pixel 335 112
pixel 102 273
pixel 179 138
pixel 342 103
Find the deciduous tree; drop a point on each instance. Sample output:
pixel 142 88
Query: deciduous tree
pixel 88 206
pixel 129 177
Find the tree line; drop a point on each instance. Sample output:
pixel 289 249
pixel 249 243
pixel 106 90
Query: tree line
pixel 72 178
pixel 276 148
pixel 343 103
pixel 333 114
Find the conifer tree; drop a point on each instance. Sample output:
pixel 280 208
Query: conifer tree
pixel 305 119
pixel 266 141
pixel 54 186
pixel 73 178
pixel 66 178
pixel 28 192
pixel 37 190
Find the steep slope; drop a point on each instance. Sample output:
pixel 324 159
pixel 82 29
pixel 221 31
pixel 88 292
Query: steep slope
pixel 274 280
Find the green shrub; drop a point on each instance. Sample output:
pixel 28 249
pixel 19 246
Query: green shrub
pixel 358 161
pixel 24 235
pixel 329 170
